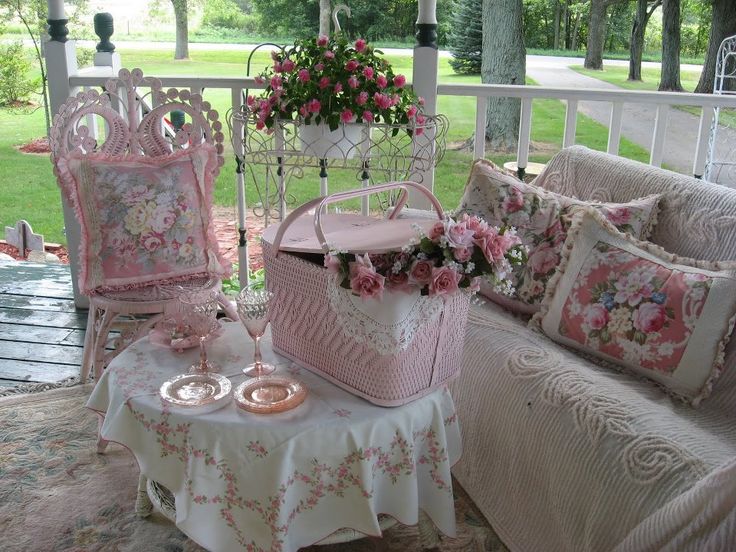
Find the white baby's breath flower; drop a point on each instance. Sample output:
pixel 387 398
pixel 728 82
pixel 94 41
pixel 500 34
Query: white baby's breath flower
pixel 470 267
pixel 396 268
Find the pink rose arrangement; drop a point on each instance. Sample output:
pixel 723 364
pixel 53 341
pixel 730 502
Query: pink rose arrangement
pixel 333 81
pixel 453 255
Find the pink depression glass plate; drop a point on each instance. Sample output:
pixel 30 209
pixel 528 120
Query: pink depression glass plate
pixel 270 394
pixel 204 392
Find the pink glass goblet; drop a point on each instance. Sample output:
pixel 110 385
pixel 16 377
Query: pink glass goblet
pixel 199 309
pixel 254 311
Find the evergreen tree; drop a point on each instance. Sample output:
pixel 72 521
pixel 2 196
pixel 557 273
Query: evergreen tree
pixel 466 37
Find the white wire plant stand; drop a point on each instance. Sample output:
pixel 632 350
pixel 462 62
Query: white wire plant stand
pixel 379 152
pixel 721 167
pixel 276 160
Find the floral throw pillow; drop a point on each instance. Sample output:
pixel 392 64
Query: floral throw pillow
pixel 541 219
pixel 632 303
pixel 143 219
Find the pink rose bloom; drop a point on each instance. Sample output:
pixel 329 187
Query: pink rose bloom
pixel 420 100
pixel 314 106
pixel 475 224
pixel 381 81
pixel 303 75
pixel 368 73
pixel 362 98
pixel 275 55
pixel 365 281
pixel 259 80
pixel 333 264
pixel 303 111
pixel 412 111
pixel 276 81
pixel 650 317
pixel 419 131
pixel 399 81
pixel 421 273
pixel 514 202
pixel 250 101
pixel 459 235
pixel 544 259
pixel 395 99
pixel 382 100
pixel 162 219
pixel 633 287
pixel 351 66
pixel 596 316
pixel 353 82
pixel 444 281
pixel 288 66
pixel 277 67
pixel 437 230
pixel 322 40
pixel 260 125
pixel 329 54
pixel 360 45
pixel 399 282
pixel 338 88
pixel 347 116
pixel 462 254
pixel 618 215
pixel 319 67
pixel 367 116
pixel 151 241
pixel 324 82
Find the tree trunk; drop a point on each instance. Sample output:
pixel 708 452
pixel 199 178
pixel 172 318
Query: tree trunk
pixel 575 32
pixel 637 40
pixel 556 44
pixel 566 24
pixel 182 29
pixel 504 62
pixel 596 35
pixel 670 78
pixel 723 25
pixel 324 17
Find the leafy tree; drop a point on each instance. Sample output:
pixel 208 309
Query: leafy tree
pixel 33 14
pixel 644 11
pixel 223 13
pixel 15 84
pixel 670 77
pixel 504 62
pixel 466 37
pixel 723 25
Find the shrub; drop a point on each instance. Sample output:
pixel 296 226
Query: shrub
pixel 85 56
pixel 223 13
pixel 15 84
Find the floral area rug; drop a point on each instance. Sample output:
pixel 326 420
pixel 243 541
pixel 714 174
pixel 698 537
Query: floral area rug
pixel 58 494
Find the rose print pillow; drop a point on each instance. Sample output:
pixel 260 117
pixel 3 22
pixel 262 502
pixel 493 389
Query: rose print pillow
pixel 143 219
pixel 541 219
pixel 632 303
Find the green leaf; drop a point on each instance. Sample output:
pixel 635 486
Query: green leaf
pixel 640 337
pixel 605 335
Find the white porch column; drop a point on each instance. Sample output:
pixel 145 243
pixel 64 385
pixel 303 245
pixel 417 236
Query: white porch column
pixel 424 79
pixel 61 63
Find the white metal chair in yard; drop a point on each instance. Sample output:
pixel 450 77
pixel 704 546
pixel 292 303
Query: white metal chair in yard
pixel 142 190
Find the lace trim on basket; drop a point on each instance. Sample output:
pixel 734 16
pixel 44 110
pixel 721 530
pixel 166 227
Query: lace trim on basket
pixel 384 338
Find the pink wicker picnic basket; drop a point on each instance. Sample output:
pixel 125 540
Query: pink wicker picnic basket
pixel 389 352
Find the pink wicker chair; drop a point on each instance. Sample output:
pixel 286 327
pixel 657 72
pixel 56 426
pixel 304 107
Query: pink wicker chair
pixel 135 127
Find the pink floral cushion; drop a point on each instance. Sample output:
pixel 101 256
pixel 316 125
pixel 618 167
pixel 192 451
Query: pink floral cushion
pixel 144 219
pixel 541 219
pixel 632 303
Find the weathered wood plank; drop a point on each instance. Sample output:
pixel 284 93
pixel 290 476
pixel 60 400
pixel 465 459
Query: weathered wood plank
pixel 38 334
pixel 23 371
pixel 41 352
pixel 38 288
pixel 50 319
pixel 36 303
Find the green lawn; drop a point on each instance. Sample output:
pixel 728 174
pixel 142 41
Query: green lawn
pixel 650 81
pixel 28 190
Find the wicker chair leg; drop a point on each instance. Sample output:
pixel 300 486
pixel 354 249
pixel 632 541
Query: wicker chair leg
pixel 90 341
pixel 143 504
pixel 101 341
pixel 429 538
pixel 101 443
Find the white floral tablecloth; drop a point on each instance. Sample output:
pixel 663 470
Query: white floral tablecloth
pixel 279 482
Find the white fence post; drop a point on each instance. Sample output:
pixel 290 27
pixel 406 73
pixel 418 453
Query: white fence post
pixel 424 80
pixel 61 63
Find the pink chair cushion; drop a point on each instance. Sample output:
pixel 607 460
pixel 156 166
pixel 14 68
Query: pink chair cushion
pixel 541 219
pixel 144 219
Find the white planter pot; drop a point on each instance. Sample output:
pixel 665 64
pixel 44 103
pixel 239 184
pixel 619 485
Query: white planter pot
pixel 321 142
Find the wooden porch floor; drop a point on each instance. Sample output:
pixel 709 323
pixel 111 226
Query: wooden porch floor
pixel 41 332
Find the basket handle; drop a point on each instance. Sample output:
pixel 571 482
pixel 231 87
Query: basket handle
pixel 322 202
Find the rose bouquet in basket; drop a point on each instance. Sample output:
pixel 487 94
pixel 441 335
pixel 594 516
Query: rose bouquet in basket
pixel 331 81
pixel 456 254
